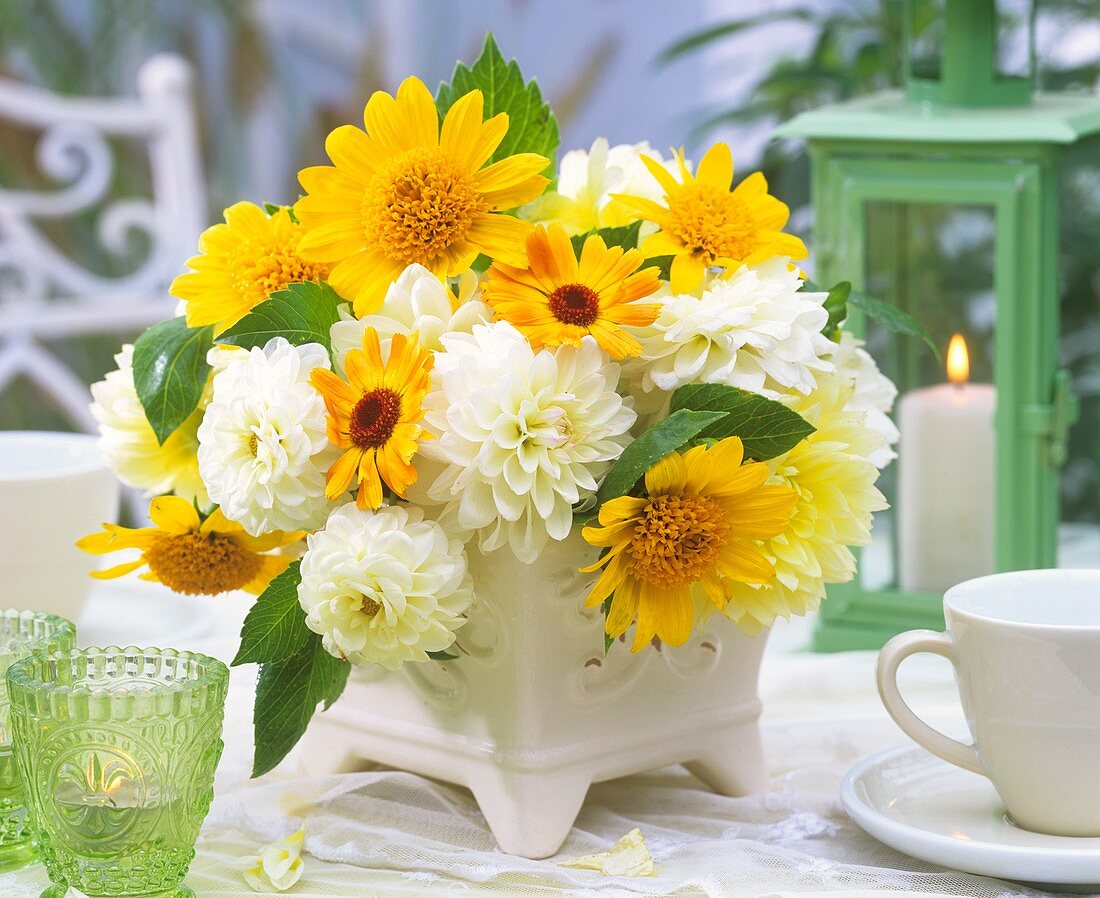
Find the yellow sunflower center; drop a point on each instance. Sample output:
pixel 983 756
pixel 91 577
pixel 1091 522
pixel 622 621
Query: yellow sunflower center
pixel 201 564
pixel 259 269
pixel 374 417
pixel 419 205
pixel 712 223
pixel 677 538
pixel 575 304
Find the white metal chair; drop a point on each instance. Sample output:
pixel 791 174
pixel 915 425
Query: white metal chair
pixel 45 295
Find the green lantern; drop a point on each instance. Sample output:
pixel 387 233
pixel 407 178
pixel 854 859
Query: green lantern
pixel 899 178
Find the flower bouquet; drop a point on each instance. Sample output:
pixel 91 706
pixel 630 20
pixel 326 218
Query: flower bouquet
pixel 461 403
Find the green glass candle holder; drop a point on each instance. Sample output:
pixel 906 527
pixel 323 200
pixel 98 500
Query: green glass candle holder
pixel 118 749
pixel 21 634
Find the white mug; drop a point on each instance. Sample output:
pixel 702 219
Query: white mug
pixel 1025 647
pixel 54 489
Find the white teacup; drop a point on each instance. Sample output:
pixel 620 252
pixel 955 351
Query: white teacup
pixel 1026 651
pixel 54 489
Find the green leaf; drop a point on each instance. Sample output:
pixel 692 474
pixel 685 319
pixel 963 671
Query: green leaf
pixel 696 39
pixel 766 427
pixel 653 445
pixel 302 313
pixel 532 127
pixel 275 628
pixel 664 265
pixel 608 641
pixel 625 236
pixel 441 656
pixel 897 320
pixel 272 208
pixel 170 372
pixel 287 695
pixel 836 304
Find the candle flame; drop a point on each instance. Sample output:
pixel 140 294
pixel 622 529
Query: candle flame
pixel 958 361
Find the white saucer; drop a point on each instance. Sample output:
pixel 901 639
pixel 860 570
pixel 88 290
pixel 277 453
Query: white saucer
pixel 134 612
pixel 931 810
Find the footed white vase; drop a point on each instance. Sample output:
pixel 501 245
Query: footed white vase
pixel 534 712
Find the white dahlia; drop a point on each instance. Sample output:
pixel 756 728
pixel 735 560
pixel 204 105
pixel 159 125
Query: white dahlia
pixel 130 447
pixel 417 301
pixel 873 393
pixel 755 329
pixel 263 451
pixel 384 587
pixel 522 436
pixel 587 180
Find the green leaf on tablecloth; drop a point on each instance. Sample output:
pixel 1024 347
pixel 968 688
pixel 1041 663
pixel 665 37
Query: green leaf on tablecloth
pixel 625 236
pixel 170 372
pixel 275 629
pixel 287 695
pixel 301 313
pixel 532 127
pixel 653 445
pixel 767 428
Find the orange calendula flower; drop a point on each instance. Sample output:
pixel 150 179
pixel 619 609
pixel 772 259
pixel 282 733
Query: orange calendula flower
pixel 191 555
pixel 699 521
pixel 408 190
pixel 558 299
pixel 704 223
pixel 375 416
pixel 241 263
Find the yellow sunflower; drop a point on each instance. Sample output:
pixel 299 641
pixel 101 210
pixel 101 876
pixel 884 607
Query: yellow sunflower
pixel 409 191
pixel 699 522
pixel 704 223
pixel 375 416
pixel 559 299
pixel 240 264
pixel 190 555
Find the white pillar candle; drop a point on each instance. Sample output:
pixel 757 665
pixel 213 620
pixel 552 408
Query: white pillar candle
pixel 946 480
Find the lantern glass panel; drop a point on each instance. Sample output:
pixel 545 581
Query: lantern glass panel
pixel 936 263
pixel 1014 47
pixel 926 30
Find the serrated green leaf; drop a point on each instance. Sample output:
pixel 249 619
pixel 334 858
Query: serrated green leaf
pixel 767 428
pixel 625 236
pixel 170 372
pixel 287 695
pixel 532 127
pixel 302 313
pixel 275 628
pixel 895 319
pixel 653 445
pixel 441 656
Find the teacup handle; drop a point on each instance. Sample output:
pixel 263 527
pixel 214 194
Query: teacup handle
pixel 889 659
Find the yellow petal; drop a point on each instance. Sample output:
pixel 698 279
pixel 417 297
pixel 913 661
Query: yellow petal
pixel 716 167
pixel 669 475
pixel 174 515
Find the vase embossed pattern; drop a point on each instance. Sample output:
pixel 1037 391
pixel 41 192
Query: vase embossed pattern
pixel 533 711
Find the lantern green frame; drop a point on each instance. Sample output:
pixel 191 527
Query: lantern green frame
pixel 887 148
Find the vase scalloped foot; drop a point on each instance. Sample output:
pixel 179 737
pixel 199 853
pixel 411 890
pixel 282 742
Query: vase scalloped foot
pixel 61 891
pixel 731 761
pixel 530 814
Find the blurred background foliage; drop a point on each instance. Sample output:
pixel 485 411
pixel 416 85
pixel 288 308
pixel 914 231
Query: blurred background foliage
pixel 856 47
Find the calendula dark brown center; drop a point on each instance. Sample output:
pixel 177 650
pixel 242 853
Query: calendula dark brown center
pixel 575 304
pixel 374 417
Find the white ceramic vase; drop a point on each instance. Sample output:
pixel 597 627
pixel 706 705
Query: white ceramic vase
pixel 534 712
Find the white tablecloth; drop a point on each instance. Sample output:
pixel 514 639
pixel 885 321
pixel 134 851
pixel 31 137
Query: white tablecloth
pixel 390 833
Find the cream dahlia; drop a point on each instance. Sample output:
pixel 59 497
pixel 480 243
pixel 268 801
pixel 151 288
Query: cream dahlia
pixel 417 302
pixel 755 329
pixel 832 473
pixel 130 447
pixel 263 451
pixel 384 587
pixel 873 393
pixel 522 436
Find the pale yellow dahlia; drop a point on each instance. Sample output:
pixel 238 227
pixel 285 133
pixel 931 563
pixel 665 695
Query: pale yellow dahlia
pixel 409 190
pixel 834 477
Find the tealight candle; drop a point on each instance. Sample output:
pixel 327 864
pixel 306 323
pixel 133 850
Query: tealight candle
pixel 946 479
